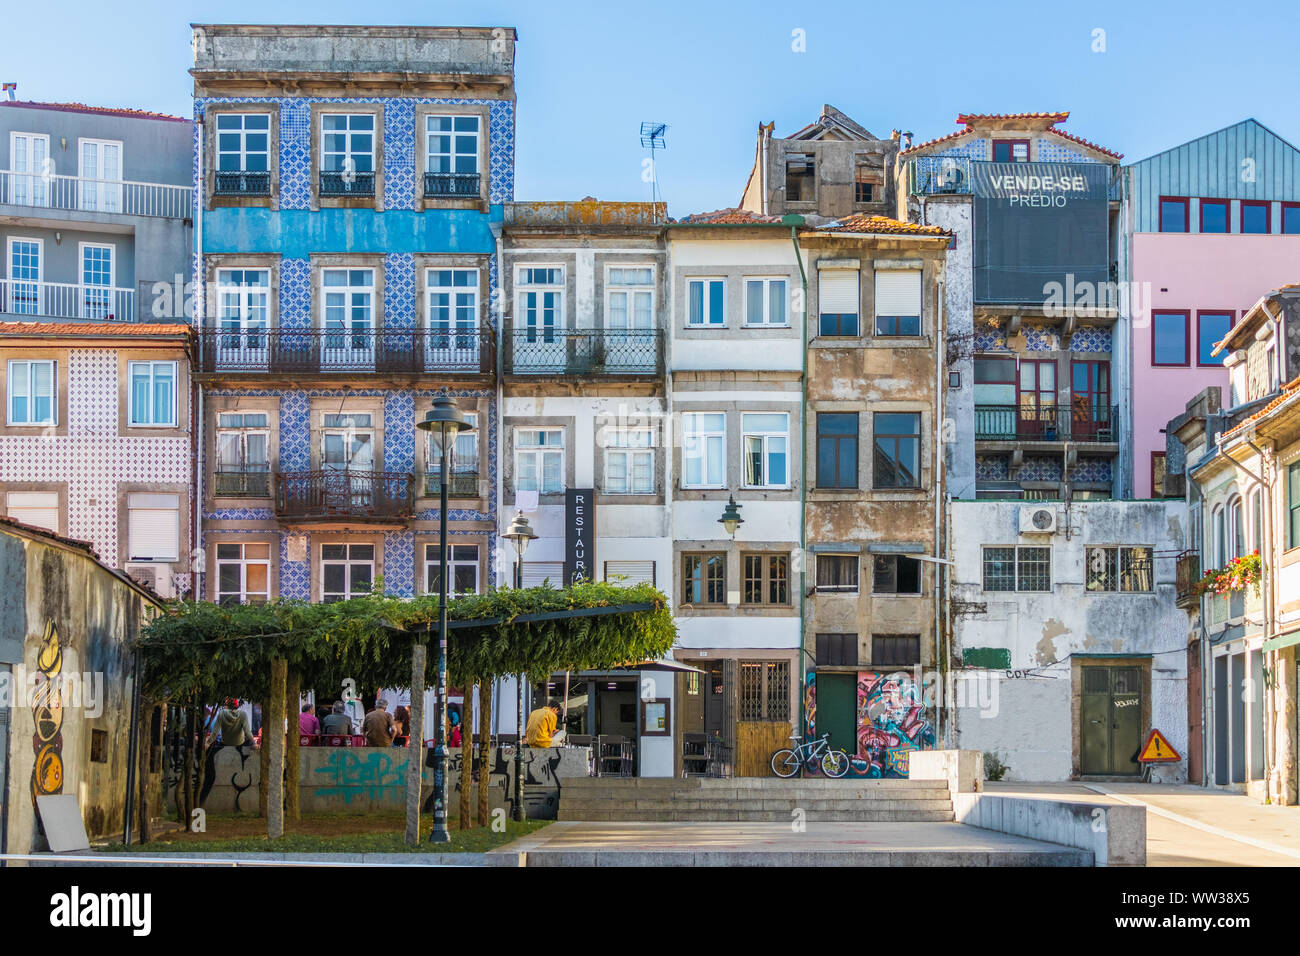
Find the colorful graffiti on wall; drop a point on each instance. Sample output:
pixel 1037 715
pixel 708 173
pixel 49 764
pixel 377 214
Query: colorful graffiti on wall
pixel 47 715
pixel 891 723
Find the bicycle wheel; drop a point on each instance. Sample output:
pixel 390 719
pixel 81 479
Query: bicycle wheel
pixel 784 763
pixel 835 763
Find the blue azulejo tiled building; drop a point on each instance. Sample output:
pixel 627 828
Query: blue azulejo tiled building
pixel 349 185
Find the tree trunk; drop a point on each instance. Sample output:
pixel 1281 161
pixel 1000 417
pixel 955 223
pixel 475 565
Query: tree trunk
pixel 142 770
pixel 415 745
pixel 485 741
pixel 466 755
pixel 292 696
pixel 185 790
pixel 264 763
pixel 273 746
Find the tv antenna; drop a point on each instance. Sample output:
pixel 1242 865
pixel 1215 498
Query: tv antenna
pixel 652 138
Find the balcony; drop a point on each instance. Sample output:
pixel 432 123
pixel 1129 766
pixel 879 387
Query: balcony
pixel 939 176
pixel 80 194
pixel 585 352
pixel 378 496
pixel 241 484
pixel 1187 571
pixel 228 182
pixel 312 351
pixel 66 300
pixel 463 484
pixel 347 184
pixel 1054 423
pixel 451 185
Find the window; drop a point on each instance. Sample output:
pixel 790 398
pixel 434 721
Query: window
pixel 898 302
pixel 97 299
pixel 1291 218
pixel 1236 530
pixel 994 370
pixel 539 460
pixel 1270 368
pixel 243 313
pixel 704 442
pixel 837 301
pixel 895 574
pixel 452 308
pixel 452 155
pixel 536 574
pixel 705 302
pixel 1120 569
pixel 1293 505
pixel 463 561
pixel 767 579
pixel 837 650
pixel 1169 338
pixel 243 153
pixel 895 650
pixel 37 508
pixel 1017 569
pixel 629 461
pixel 348 143
pixel 765 302
pixel 153 393
pixel 800 184
pixel 28 156
pixel 765 436
pixel 627 573
pixel 1255 216
pixel 1214 215
pixel 1211 327
pixel 153 527
pixel 837 573
pixel 347 442
pixel 630 293
pixel 541 296
pixel 867 181
pixel 837 449
pixel 704 578
pixel 31 392
pixel 1219 537
pixel 1173 214
pixel 348 300
pixel 243 466
pixel 1011 151
pixel 463 480
pixel 346 570
pixel 1257 521
pixel 25 292
pixel 764 691
pixel 99 166
pixel 898 449
pixel 243 573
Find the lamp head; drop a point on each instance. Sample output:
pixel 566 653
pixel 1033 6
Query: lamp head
pixel 731 519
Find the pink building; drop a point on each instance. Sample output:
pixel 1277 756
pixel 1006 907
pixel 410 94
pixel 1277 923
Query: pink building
pixel 1215 224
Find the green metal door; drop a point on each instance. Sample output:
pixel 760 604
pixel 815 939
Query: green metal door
pixel 837 710
pixel 1111 720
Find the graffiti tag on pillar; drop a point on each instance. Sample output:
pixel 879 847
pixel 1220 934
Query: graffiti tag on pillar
pixel 47 714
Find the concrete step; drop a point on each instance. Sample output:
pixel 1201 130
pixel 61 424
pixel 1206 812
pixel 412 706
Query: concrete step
pixel 677 814
pixel 735 783
pixel 773 803
pixel 751 796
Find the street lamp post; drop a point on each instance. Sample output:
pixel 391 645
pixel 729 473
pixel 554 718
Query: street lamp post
pixel 519 534
pixel 443 423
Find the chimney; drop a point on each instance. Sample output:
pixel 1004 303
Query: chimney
pixel 11 91
pixel 907 140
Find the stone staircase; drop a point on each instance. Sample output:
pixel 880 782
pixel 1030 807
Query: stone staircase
pixel 757 799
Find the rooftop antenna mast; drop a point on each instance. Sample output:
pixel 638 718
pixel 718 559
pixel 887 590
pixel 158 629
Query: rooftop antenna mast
pixel 652 138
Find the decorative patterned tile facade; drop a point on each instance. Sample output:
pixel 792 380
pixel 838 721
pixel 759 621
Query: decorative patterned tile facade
pixel 992 337
pixel 992 467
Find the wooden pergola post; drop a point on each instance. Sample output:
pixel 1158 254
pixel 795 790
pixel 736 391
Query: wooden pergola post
pixel 415 745
pixel 273 745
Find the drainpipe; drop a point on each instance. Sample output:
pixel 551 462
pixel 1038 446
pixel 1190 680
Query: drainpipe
pixel 198 457
pixel 763 172
pixel 499 362
pixel 940 571
pixel 803 461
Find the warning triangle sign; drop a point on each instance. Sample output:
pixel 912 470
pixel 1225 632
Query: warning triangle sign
pixel 1158 750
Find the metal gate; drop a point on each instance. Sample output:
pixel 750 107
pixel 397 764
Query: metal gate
pixel 1111 720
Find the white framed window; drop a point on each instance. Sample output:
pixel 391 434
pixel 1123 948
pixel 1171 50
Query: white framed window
pixel 898 302
pixel 629 294
pixel 32 392
pixel 347 142
pixel 540 314
pixel 452 308
pixel 29 158
pixel 346 570
pixel 767 302
pixel 629 461
pixel 452 145
pixel 765 438
pixel 627 573
pixel 1236 529
pixel 534 574
pixel 348 318
pixel 539 460
pixel 706 304
pixel 463 480
pixel 99 166
pixel 462 559
pixel 243 465
pixel 838 302
pixel 704 450
pixel 1219 537
pixel 243 573
pixel 96 280
pixel 243 142
pixel 37 508
pixel 243 300
pixel 24 289
pixel 153 527
pixel 153 394
pixel 347 442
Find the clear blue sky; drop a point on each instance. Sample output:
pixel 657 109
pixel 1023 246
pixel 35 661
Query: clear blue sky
pixel 589 73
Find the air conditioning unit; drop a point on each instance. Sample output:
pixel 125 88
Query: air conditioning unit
pixel 1037 520
pixel 156 577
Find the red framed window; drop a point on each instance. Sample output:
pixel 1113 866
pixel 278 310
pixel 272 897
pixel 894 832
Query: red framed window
pixel 1174 214
pixel 1037 394
pixel 1090 401
pixel 1214 215
pixel 1211 326
pixel 1291 218
pixel 1256 217
pixel 1011 151
pixel 1169 338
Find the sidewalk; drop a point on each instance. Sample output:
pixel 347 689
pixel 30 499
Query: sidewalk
pixel 1192 826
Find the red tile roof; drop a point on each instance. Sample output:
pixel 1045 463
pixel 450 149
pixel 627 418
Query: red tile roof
pixel 1083 142
pixel 103 110
pixel 728 217
pixel 877 225
pixel 81 329
pixel 938 139
pixel 1289 391
pixel 968 119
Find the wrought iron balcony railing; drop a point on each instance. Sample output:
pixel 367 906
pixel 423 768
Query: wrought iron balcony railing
pixel 347 184
pixel 301 351
pixel 939 175
pixel 39 190
pixel 1187 571
pixel 355 495
pixel 451 185
pixel 228 182
pixel 584 352
pixel 249 483
pixel 67 300
pixel 462 484
pixel 1078 423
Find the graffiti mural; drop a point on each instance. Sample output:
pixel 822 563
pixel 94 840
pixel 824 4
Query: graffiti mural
pixel 370 774
pixel 891 723
pixel 47 714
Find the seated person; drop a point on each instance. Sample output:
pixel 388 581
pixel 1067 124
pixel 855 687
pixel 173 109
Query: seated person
pixel 540 731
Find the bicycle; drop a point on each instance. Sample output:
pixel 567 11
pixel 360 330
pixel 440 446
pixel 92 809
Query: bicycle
pixel 787 763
